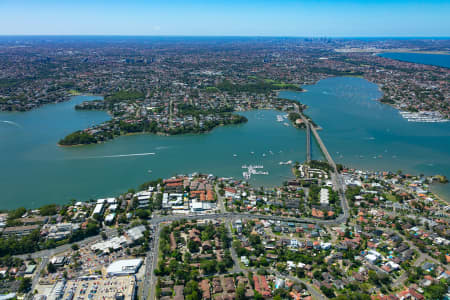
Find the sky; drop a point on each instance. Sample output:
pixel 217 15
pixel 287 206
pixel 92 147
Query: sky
pixel 311 18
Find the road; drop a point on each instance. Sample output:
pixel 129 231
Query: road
pixel 50 252
pixel 152 261
pixel 236 266
pixel 418 262
pixel 36 277
pixel 313 291
pixel 220 200
pixel 339 220
pixel 144 288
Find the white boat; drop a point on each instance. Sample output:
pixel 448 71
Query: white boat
pixel 149 171
pixel 234 155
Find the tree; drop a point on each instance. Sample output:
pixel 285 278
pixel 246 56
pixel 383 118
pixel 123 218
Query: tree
pixel 193 246
pixel 142 214
pixel 258 296
pixel 281 293
pixel 48 210
pixel 25 285
pixel 353 296
pixel 327 291
pixel 240 292
pixel 208 266
pixel 98 217
pixel 75 247
pixel 436 291
pixel 192 291
pixel 51 267
pixel 317 275
pixel 17 213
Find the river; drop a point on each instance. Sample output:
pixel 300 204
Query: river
pixel 361 132
pixel 441 60
pixel 357 130
pixel 36 171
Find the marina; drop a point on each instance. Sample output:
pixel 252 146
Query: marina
pixel 423 116
pixel 282 118
pixel 253 170
pixel 359 128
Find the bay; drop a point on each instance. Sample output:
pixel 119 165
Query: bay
pixel 363 133
pixel 441 60
pixel 358 131
pixel 36 171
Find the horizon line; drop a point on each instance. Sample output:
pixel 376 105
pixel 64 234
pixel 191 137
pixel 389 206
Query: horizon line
pixel 236 36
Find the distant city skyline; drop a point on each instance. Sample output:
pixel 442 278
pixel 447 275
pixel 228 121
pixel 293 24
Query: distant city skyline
pixel 313 18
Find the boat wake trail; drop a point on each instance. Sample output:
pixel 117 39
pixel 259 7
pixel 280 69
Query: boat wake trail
pixel 11 123
pixel 162 147
pixel 123 155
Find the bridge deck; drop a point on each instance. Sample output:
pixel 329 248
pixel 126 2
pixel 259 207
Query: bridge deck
pixel 308 143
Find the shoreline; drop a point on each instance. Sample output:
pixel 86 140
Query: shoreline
pixel 416 52
pixel 195 133
pixel 67 98
pixel 433 193
pixel 147 133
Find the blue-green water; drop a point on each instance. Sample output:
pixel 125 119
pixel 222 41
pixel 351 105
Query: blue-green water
pixel 441 60
pixel 34 170
pixel 364 133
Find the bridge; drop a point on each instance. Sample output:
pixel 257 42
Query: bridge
pixel 308 142
pixel 335 176
pixel 323 148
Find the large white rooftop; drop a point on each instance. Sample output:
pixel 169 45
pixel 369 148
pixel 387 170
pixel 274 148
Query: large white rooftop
pixel 124 267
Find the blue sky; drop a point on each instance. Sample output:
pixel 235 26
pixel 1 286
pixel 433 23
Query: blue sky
pixel 255 18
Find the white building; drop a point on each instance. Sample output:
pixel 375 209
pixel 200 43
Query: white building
pixel 324 197
pixel 294 243
pixel 110 218
pixel 325 246
pixel 373 256
pixel 99 209
pixel 244 260
pixel 136 233
pixel 124 267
